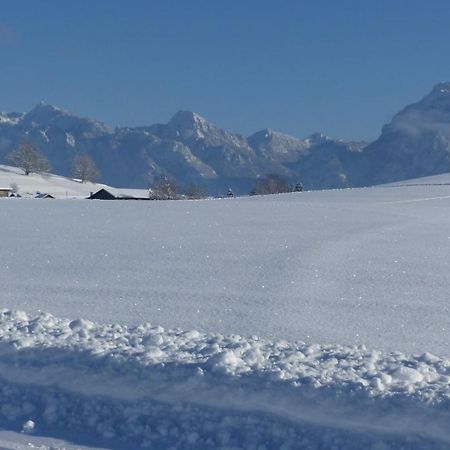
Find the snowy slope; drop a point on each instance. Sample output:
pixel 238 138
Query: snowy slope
pixel 341 299
pixel 436 180
pixel 58 186
pixel 362 266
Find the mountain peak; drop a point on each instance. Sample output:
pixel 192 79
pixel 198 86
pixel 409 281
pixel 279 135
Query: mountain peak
pixel 42 105
pixel 188 124
pixel 317 138
pixel 441 88
pixel 44 111
pixel 431 113
pixel 439 96
pixel 268 134
pixel 188 119
pixel 261 135
pixel 44 115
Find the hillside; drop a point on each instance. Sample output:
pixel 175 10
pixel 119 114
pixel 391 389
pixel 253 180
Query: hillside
pixel 57 186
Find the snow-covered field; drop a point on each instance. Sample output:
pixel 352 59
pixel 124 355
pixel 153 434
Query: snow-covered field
pixel 58 186
pixel 309 320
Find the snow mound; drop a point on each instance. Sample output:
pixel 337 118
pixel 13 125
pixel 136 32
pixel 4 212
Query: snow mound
pixel 144 386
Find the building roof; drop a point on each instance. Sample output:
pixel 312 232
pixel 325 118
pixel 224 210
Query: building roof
pixel 43 195
pixel 102 194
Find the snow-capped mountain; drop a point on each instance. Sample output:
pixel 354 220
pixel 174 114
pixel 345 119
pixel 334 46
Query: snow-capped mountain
pixel 228 155
pixel 416 143
pixel 189 148
pixel 193 150
pixel 273 144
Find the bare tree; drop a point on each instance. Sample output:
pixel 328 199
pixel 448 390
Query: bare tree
pixel 29 158
pixel 271 184
pixel 195 191
pixel 14 187
pixel 164 188
pixel 84 168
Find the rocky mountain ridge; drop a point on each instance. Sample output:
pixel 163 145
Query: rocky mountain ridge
pixel 191 149
pixel 415 143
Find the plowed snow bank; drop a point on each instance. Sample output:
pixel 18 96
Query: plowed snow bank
pixel 145 386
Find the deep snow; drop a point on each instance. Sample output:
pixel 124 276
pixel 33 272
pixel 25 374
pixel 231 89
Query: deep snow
pixel 322 321
pixel 154 388
pixel 362 266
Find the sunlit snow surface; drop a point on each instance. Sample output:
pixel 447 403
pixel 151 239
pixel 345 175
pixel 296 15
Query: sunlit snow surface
pixel 366 266
pixel 341 299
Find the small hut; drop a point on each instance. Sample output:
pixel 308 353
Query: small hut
pixel 43 195
pixel 102 194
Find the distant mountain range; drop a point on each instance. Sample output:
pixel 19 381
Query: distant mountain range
pixel 193 150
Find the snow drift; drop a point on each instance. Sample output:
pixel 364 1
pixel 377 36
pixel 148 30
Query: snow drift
pixel 144 386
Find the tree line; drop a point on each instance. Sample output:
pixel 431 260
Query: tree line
pixel 31 160
pixel 274 184
pixel 165 187
pixel 28 157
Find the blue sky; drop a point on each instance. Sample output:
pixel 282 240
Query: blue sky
pixel 343 67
